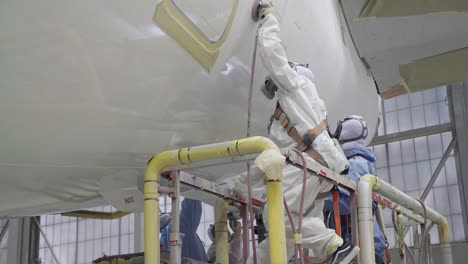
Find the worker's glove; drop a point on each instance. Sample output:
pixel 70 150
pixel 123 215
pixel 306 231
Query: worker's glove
pixel 237 230
pixel 267 9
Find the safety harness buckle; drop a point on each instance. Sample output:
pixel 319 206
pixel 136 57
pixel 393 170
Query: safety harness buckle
pixel 307 141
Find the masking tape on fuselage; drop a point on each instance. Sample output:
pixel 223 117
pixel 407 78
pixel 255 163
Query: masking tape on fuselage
pixel 172 21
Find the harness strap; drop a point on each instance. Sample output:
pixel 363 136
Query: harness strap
pixel 336 210
pixel 387 254
pixel 304 142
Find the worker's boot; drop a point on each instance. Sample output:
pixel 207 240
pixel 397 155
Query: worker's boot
pixel 344 254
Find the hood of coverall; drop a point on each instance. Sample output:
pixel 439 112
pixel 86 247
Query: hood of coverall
pixel 306 73
pixel 353 129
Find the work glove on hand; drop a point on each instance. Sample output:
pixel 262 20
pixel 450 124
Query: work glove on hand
pixel 237 230
pixel 267 9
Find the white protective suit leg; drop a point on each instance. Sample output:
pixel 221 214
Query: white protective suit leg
pixel 235 252
pixel 315 236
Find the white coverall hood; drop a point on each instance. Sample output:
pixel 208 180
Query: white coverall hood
pixel 353 129
pixel 303 71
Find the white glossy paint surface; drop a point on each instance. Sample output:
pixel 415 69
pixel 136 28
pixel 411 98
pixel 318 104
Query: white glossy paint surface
pixel 92 88
pixel 386 43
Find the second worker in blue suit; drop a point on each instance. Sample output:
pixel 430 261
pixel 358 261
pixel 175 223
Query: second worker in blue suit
pixel 351 133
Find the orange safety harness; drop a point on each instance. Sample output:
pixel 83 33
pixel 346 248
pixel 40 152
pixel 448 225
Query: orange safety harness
pixel 304 142
pixel 388 255
pixel 336 210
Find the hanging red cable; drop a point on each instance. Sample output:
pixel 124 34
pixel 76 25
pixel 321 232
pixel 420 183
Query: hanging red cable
pixel 336 210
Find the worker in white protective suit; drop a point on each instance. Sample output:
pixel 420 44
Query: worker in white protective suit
pixel 235 243
pixel 299 121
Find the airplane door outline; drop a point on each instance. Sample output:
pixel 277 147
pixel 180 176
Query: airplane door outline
pixel 178 26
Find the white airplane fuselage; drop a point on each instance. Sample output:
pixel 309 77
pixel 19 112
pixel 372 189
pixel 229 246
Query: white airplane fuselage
pixel 91 89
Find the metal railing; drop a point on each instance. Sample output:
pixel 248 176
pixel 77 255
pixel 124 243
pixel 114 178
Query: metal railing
pixel 249 149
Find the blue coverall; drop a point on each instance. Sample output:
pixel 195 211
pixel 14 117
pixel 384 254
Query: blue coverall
pixel 361 162
pixel 190 216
